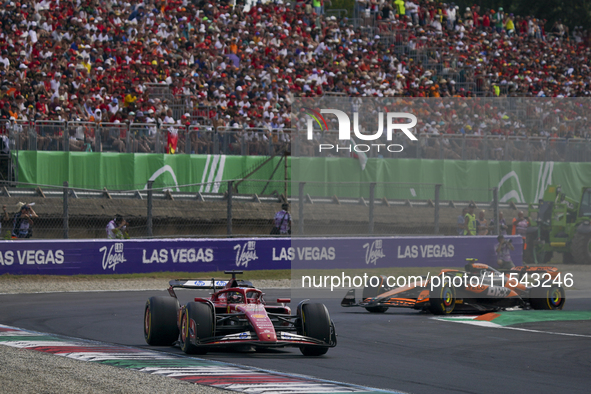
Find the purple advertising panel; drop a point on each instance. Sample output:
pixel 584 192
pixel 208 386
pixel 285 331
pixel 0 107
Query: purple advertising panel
pixel 72 257
pixel 376 252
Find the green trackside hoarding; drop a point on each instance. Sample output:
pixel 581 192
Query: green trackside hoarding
pixel 132 171
pixel 463 180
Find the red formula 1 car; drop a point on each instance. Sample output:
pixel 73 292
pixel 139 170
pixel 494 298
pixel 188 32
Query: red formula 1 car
pixel 477 288
pixel 235 315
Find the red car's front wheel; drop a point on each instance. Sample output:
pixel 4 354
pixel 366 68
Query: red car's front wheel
pixel 160 324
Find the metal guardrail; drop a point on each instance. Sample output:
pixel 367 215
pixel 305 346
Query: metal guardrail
pixel 206 139
pixel 455 147
pixel 146 217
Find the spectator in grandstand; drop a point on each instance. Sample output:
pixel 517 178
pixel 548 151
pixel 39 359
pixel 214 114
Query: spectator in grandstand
pixel 117 228
pixel 217 52
pixel 503 251
pixel 282 221
pixel 23 221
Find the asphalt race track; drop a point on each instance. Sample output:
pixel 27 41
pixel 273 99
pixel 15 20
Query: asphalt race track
pixel 399 350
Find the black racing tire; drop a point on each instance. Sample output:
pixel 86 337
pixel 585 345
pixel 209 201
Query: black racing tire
pixel 204 318
pixel 315 324
pixel 376 309
pixel 547 298
pixel 581 248
pixel 160 321
pixel 442 300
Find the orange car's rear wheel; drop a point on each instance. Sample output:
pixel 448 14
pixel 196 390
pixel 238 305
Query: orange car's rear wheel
pixel 547 298
pixel 442 300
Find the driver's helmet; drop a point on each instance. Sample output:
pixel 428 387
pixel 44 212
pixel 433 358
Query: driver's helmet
pixel 235 298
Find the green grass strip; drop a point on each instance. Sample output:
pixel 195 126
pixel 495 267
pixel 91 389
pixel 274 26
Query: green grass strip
pixel 510 318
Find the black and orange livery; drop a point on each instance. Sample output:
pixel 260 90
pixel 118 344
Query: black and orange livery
pixel 477 288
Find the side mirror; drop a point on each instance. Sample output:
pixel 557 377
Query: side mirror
pixel 284 300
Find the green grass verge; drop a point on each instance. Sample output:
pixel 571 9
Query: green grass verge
pixel 250 275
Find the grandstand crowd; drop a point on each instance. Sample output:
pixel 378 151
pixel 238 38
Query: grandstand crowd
pixel 94 61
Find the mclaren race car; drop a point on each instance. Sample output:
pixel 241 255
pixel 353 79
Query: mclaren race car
pixel 235 315
pixel 477 288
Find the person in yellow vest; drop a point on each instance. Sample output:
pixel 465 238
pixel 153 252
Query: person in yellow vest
pixel 470 221
pixel 318 7
pixel 401 10
pixel 510 25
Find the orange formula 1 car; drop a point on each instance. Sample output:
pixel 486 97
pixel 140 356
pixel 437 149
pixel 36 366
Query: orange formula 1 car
pixel 235 315
pixel 477 288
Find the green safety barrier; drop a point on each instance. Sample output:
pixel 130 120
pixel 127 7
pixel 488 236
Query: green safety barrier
pixel 412 179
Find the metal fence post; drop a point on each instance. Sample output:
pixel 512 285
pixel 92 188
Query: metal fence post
pixel 464 147
pixel 229 215
pixel 66 137
pixel 66 223
pixel 243 147
pixel 216 142
pixel 128 139
pixel 372 189
pixel 437 189
pixel 149 215
pixel 496 210
pixel 301 209
pixel 98 139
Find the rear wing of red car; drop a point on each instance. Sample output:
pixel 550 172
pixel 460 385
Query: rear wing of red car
pixel 212 284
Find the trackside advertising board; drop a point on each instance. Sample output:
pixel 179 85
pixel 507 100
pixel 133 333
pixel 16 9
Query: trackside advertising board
pixel 72 257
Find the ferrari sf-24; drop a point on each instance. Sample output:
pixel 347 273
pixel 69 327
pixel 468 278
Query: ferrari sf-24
pixel 235 315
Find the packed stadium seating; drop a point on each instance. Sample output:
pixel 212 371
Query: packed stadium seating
pixel 136 69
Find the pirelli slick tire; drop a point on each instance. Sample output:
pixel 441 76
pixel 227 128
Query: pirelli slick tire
pixel 547 298
pixel 316 324
pixel 376 309
pixel 442 300
pixel 581 248
pixel 160 321
pixel 198 320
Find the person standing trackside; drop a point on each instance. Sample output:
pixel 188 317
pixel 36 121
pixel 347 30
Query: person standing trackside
pixel 482 223
pixel 502 224
pixel 520 224
pixel 282 221
pixel 117 228
pixel 23 220
pixel 470 221
pixel 4 217
pixel 462 221
pixel 503 250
